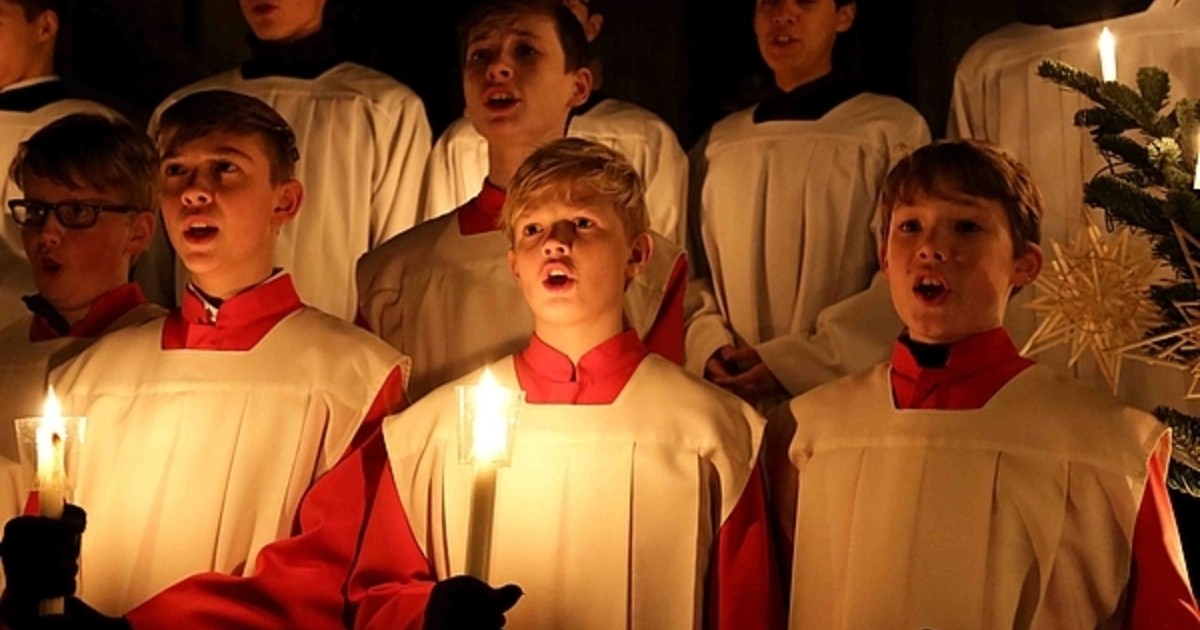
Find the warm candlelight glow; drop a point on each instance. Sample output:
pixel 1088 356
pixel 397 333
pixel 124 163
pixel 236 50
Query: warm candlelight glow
pixel 1196 183
pixel 1108 55
pixel 491 427
pixel 51 458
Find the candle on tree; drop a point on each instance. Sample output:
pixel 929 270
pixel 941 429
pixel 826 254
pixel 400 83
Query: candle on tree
pixel 487 422
pixel 1108 55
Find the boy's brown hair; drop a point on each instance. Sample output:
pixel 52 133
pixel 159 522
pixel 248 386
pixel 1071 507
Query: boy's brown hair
pixel 967 168
pixel 221 111
pixel 578 172
pixel 487 15
pixel 88 149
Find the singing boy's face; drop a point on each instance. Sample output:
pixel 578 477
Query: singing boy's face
pixel 74 266
pixel 515 82
pixel 572 263
pixel 951 267
pixel 283 20
pixel 795 37
pixel 221 210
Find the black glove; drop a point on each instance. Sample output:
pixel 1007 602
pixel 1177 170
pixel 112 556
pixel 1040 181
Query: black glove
pixel 466 603
pixel 41 560
pixel 78 616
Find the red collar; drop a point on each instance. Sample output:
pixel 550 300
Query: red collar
pixel 239 323
pixel 977 367
pixel 103 312
pixel 482 214
pixel 548 376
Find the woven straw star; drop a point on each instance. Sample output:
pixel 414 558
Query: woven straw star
pixel 1093 298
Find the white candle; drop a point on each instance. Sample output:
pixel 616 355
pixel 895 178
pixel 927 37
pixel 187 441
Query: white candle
pixel 51 476
pixel 488 416
pixel 1108 55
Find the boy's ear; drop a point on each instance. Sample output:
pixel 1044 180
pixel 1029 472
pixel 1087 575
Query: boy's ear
pixel 288 197
pixel 512 264
pixel 47 26
pixel 581 87
pixel 640 251
pixel 845 16
pixel 141 231
pixel 591 28
pixel 1027 265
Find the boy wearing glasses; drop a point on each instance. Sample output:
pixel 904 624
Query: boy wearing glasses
pixel 90 190
pixel 206 427
pixel 31 96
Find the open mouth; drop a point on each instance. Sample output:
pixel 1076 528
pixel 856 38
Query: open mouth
pixel 262 8
pixel 782 39
pixel 49 265
pixel 200 232
pixel 557 277
pixel 930 290
pixel 500 101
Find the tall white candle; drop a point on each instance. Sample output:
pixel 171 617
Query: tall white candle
pixel 1108 55
pixel 1196 183
pixel 51 476
pixel 488 416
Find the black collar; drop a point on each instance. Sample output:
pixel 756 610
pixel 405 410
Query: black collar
pixel 34 97
pixel 810 101
pixel 41 307
pixel 307 58
pixel 927 355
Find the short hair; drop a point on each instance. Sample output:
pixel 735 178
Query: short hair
pixel 498 13
pixel 578 172
pixel 221 111
pixel 89 149
pixel 34 8
pixel 953 169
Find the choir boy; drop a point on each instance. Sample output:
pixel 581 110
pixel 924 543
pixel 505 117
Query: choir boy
pixel 784 198
pixel 441 292
pixel 961 485
pixel 31 96
pixel 206 428
pixel 363 136
pixel 458 163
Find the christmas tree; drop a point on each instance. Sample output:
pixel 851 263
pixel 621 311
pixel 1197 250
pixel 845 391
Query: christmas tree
pixel 1148 186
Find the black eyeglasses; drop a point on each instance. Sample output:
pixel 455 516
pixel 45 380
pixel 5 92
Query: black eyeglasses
pixel 70 214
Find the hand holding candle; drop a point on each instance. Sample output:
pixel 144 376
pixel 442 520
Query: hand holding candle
pixel 1108 55
pixel 487 416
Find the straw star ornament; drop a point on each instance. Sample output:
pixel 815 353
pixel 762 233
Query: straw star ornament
pixel 1093 299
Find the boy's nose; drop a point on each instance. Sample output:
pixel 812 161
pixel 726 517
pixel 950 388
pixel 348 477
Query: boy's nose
pixel 51 232
pixel 562 235
pixel 932 249
pixel 499 70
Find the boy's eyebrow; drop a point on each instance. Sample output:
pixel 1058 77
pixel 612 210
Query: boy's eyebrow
pixel 218 152
pixel 505 31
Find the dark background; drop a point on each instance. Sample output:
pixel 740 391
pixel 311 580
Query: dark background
pixel 690 61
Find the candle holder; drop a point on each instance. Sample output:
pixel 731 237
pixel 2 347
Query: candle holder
pixel 487 423
pixel 48 447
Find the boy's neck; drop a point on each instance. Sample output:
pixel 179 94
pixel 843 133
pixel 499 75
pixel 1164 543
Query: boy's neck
pixel 576 340
pixel 790 81
pixel 224 288
pixel 503 162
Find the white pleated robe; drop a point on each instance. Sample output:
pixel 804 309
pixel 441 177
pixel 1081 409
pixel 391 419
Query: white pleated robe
pixel 788 232
pixel 1016 515
pixel 16 278
pixel 607 514
pixel 363 141
pixel 450 302
pixel 997 96
pixel 196 459
pixel 458 163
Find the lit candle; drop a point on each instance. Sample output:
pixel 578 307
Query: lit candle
pixel 1196 183
pixel 487 418
pixel 1108 55
pixel 51 474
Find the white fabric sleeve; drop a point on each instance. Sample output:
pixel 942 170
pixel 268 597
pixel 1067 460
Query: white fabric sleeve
pixel 402 149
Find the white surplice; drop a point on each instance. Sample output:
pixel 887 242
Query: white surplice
pixel 196 459
pixel 607 514
pixel 1016 515
pixel 789 236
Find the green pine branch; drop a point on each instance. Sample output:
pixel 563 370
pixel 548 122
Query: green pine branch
pixel 1185 449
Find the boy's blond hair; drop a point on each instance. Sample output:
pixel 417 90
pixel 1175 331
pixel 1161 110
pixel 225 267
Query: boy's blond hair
pixel 578 172
pixel 967 168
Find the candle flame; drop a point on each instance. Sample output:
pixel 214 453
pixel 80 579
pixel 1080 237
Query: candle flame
pixel 1108 55
pixel 52 420
pixel 490 430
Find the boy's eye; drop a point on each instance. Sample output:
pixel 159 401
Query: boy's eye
pixel 525 51
pixel 909 226
pixel 584 223
pixel 967 227
pixel 171 170
pixel 479 56
pixel 225 166
pixel 530 229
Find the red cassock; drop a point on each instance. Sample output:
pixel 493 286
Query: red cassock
pixel 360 560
